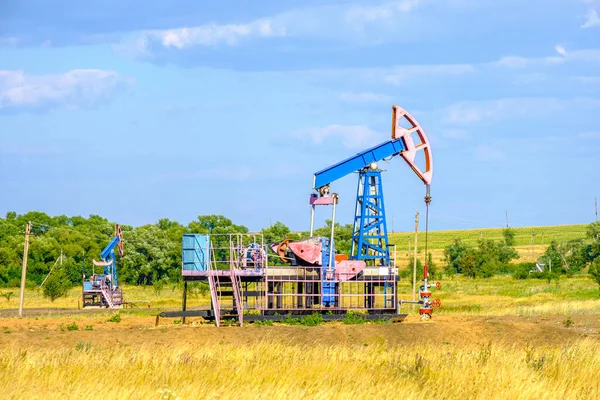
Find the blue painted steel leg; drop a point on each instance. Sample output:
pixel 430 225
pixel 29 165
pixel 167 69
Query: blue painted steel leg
pixel 327 282
pixel 370 237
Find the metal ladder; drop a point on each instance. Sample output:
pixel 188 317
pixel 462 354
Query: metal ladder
pixel 235 285
pixel 214 288
pixel 107 296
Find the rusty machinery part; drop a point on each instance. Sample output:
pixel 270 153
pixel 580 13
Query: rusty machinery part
pixel 436 303
pixel 401 117
pixel 282 249
pixel 119 234
pixel 324 190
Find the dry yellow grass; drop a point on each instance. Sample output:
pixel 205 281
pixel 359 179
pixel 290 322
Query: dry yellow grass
pixel 272 370
pixel 168 297
pixel 526 254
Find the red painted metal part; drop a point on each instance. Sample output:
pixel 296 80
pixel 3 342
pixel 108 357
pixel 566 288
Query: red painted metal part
pixel 281 248
pixel 307 251
pixel 348 269
pixel 409 155
pixel 119 234
pixel 327 200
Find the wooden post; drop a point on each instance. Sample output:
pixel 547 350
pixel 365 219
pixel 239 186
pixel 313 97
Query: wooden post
pixel 24 269
pixel 415 258
pixel 184 307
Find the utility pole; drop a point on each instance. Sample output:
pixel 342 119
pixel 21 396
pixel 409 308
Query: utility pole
pixel 506 218
pixel 596 204
pixel 24 268
pixel 415 258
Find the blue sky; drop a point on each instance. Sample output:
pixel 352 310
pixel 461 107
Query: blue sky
pixel 138 110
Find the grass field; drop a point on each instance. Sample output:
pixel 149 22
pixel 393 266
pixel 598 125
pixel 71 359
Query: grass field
pixel 495 338
pixel 491 338
pixel 272 370
pixel 529 247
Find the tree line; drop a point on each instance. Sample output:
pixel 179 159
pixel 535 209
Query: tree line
pixel 153 251
pixel 491 257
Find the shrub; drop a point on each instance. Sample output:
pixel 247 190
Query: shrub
pixel 265 322
pixel 521 270
pixel 312 320
pixel 353 318
pixel 57 285
pixel 7 295
pixel 114 318
pixel 73 327
pixel 594 270
pixel 509 236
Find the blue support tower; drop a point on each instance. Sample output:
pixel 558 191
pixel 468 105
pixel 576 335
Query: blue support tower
pixel 327 281
pixel 108 254
pixel 370 236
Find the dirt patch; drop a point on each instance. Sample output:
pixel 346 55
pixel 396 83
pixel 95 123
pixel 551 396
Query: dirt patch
pixel 442 330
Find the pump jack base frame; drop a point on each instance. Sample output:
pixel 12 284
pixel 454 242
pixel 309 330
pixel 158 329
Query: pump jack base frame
pixel 208 315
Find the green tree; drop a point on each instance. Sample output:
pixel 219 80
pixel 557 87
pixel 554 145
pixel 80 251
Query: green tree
pixel 277 232
pixel 553 257
pixel 509 236
pixel 594 270
pixel 57 285
pixel 342 236
pixel 577 254
pixel 431 266
pixel 149 256
pixel 453 254
pixel 593 231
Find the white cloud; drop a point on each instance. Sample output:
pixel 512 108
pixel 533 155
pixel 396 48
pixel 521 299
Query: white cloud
pixel 9 41
pixel 405 73
pixel 530 78
pixel 359 14
pixel 213 34
pixel 586 80
pixel 366 97
pixel 591 19
pixel 454 133
pixel 373 23
pixel 488 153
pixel 76 88
pixel 354 136
pixel 240 173
pixel 585 55
pixel 399 75
pixel 560 50
pixel 591 135
pixel 470 112
pixel 518 62
pixel 32 150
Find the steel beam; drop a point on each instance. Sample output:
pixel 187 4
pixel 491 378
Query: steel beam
pixel 358 162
